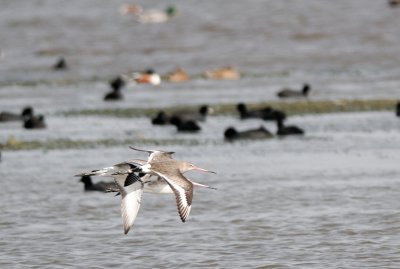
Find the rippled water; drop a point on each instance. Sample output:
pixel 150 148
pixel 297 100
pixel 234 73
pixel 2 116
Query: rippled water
pixel 328 199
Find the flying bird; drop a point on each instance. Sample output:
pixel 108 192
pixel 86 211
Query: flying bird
pixel 159 174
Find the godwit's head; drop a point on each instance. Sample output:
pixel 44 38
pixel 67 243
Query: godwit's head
pixel 185 166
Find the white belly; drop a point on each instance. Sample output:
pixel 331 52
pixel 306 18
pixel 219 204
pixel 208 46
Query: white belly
pixel 153 184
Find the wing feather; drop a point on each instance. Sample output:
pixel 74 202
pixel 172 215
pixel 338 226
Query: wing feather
pixel 183 190
pixel 130 205
pixel 131 195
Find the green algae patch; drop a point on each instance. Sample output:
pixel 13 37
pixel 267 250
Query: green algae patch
pixel 298 107
pixel 317 107
pixel 14 145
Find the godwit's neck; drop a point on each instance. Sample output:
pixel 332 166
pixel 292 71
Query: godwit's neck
pixel 146 168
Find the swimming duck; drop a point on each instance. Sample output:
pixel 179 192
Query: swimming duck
pixel 228 72
pixel 178 75
pixel 9 116
pixel 246 114
pixel 394 3
pixel 147 77
pixel 99 186
pixel 34 122
pixel 114 95
pixel 61 64
pixel 161 119
pixel 116 85
pixel 266 113
pixel 126 9
pixel 199 115
pixel 148 16
pixel 293 93
pixel 259 133
pixel 156 16
pixel 273 114
pixel 288 130
pixel 185 125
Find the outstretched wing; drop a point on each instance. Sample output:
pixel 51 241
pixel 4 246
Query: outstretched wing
pixel 156 155
pixel 131 189
pixel 120 168
pixel 183 190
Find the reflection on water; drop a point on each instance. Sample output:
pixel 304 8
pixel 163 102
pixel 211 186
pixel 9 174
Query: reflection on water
pixel 324 200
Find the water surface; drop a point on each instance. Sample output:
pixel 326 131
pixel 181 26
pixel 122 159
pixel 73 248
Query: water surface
pixel 328 199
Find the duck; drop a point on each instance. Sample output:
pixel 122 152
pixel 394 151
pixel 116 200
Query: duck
pixel 394 3
pixel 185 125
pixel 161 119
pixel 99 186
pixel 126 9
pixel 34 122
pixel 199 115
pixel 115 94
pixel 285 93
pixel 61 64
pixel 9 116
pixel 117 83
pixel 223 73
pixel 266 113
pixel 288 130
pixel 147 77
pixel 260 133
pixel 273 114
pixel 246 114
pixel 178 75
pixel 398 109
pixel 156 16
